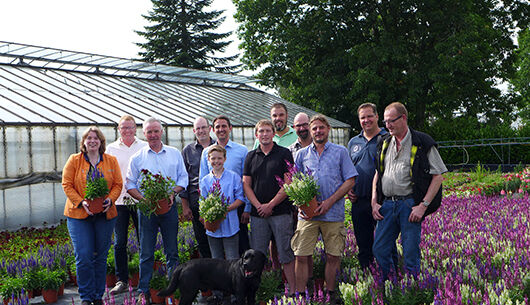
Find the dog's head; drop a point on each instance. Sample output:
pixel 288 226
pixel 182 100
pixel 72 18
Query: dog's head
pixel 252 263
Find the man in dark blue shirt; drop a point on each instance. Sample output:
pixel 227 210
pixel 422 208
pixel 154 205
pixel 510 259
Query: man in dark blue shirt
pixel 363 149
pixel 190 196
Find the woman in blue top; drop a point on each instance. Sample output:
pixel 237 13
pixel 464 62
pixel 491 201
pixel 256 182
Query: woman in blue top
pixel 224 242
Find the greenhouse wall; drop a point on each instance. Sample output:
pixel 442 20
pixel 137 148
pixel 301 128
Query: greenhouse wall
pixel 31 193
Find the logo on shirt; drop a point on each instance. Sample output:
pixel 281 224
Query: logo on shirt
pixel 356 148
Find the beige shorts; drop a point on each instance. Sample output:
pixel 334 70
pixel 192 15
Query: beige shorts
pixel 305 237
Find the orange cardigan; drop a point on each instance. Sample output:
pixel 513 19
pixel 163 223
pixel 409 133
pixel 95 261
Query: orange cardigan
pixel 74 183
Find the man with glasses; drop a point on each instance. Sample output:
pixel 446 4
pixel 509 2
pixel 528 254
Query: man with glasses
pixel 408 179
pixel 363 149
pixel 190 196
pixel 123 148
pixel 301 126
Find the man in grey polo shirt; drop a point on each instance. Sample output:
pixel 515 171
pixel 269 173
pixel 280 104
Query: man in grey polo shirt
pixel 401 193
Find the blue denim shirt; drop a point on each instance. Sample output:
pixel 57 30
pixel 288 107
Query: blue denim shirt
pixel 363 154
pixel 167 162
pixel 235 161
pixel 231 187
pixel 331 169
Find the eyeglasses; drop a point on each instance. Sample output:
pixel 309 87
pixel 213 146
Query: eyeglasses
pixel 301 125
pixel 392 121
pixel 127 128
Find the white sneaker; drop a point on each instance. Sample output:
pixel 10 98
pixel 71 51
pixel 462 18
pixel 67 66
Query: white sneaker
pixel 119 288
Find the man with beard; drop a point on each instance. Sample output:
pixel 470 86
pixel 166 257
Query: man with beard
pixel 283 134
pixel 301 126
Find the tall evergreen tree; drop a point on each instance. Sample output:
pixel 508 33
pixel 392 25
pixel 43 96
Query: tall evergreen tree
pixel 182 33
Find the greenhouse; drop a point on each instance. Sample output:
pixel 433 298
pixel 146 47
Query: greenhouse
pixel 49 96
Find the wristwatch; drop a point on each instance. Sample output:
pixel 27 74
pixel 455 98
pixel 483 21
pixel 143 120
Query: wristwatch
pixel 425 203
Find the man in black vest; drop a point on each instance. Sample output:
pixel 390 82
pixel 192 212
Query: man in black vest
pixel 401 193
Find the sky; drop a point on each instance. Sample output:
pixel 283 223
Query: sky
pixel 104 27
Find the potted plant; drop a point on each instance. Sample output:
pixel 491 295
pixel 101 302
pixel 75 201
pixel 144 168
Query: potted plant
pixel 32 282
pixel 156 190
pixel 160 259
pixel 63 275
pixel 50 286
pixel 158 282
pixel 301 188
pixel 111 269
pixel 268 288
pixel 11 288
pixel 134 269
pixel 96 190
pixel 72 270
pixel 213 208
pixel 173 299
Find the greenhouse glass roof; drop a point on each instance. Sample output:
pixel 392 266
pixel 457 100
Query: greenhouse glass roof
pixel 46 86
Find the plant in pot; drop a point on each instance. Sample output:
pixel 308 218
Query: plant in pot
pixel 301 188
pixel 160 259
pixel 50 286
pixel 213 208
pixel 157 191
pixel 158 282
pixel 63 275
pixel 111 269
pixel 32 282
pixel 96 190
pixel 11 288
pixel 271 280
pixel 134 269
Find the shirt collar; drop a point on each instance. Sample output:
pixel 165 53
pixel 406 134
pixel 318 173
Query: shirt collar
pixel 134 142
pixel 313 147
pixel 212 142
pixel 274 148
pixel 86 158
pixel 289 131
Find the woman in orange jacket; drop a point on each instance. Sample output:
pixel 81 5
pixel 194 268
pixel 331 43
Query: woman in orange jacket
pixel 91 231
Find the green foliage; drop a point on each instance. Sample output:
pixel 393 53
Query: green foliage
pixel 159 279
pixel 111 265
pixel 214 206
pixel 436 57
pixel 268 288
pixel 11 286
pixel 184 33
pixel 154 188
pixel 134 264
pixel 521 81
pixel 51 279
pixel 160 256
pixel 96 185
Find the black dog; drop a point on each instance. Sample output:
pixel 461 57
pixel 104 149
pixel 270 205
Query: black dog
pixel 240 277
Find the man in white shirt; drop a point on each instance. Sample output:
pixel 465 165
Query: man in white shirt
pixel 123 148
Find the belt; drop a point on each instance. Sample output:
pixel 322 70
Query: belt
pixel 399 198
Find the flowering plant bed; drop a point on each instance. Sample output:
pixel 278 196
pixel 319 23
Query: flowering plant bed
pixel 214 206
pixel 156 190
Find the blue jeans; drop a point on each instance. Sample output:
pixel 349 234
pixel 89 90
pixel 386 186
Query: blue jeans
pixel 396 219
pixel 121 235
pixel 91 238
pixel 224 248
pixel 148 227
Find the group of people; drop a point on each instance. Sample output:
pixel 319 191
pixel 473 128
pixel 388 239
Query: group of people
pixel 391 176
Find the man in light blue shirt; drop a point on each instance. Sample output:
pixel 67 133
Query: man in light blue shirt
pixel 235 161
pixel 332 167
pixel 167 161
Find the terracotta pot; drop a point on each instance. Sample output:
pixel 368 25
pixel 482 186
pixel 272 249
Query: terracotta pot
pixel 157 265
pixel 163 207
pixel 95 205
pixel 111 280
pixel 213 226
pixel 134 279
pixel 309 210
pixel 49 295
pixel 37 292
pixel 60 292
pixel 154 298
pixel 30 294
